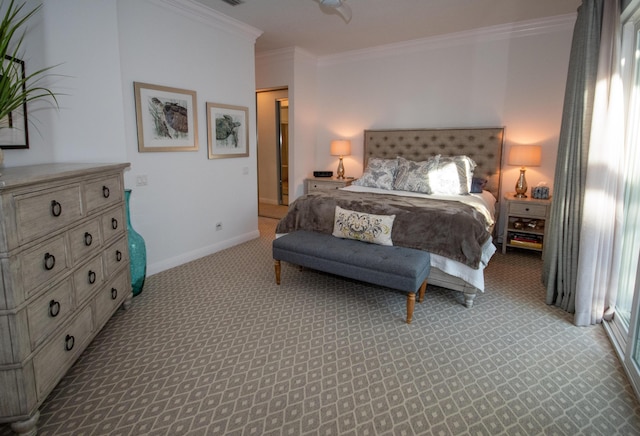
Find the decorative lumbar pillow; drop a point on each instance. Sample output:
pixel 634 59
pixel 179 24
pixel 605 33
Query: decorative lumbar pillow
pixel 380 173
pixel 477 185
pixel 349 224
pixel 414 176
pixel 452 176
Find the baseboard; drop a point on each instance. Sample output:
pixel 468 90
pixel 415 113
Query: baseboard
pixel 164 265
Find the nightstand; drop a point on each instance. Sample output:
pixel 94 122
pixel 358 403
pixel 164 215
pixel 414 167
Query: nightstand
pixel 324 184
pixel 525 222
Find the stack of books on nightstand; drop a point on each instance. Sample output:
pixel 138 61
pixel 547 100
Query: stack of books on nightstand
pixel 526 240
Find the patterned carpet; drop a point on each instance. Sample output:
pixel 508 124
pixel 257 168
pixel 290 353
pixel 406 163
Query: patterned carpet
pixel 215 347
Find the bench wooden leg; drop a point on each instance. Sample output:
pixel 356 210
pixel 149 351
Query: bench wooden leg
pixel 276 265
pixel 411 302
pixel 423 287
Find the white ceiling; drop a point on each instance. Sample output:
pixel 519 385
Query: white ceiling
pixel 320 31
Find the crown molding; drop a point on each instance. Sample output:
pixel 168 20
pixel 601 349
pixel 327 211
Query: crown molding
pixel 285 54
pixel 209 17
pixel 492 33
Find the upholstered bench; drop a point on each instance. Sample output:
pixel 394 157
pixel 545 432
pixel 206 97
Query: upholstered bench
pixel 400 268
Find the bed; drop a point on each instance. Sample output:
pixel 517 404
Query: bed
pixel 465 221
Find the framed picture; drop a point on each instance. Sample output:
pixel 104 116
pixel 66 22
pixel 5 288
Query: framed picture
pixel 13 127
pixel 228 131
pixel 166 117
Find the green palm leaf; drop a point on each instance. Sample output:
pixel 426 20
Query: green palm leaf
pixel 16 88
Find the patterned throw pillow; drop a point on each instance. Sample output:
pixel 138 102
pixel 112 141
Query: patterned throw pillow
pixel 414 176
pixel 349 224
pixel 452 176
pixel 380 173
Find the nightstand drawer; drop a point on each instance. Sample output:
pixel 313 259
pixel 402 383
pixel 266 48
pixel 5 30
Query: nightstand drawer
pixel 325 184
pixel 528 209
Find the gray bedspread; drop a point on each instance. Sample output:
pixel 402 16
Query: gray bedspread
pixel 448 228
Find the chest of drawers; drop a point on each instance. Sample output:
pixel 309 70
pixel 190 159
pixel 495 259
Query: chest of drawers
pixel 65 270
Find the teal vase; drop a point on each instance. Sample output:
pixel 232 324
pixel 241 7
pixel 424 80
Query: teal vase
pixel 137 252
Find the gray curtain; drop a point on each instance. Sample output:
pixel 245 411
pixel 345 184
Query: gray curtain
pixel 560 252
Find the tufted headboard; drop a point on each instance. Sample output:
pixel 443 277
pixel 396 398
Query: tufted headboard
pixel 483 145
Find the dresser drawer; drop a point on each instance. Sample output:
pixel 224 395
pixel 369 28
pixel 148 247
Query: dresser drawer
pixel 528 209
pixel 49 311
pixel 85 240
pixel 47 211
pixel 113 223
pixel 111 296
pixel 60 352
pixel 88 279
pixel 103 192
pixel 43 263
pixel 115 256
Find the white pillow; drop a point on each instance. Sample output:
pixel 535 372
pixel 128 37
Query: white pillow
pixel 380 173
pixel 452 175
pixel 349 224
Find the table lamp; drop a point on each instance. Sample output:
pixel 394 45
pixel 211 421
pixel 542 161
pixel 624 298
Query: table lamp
pixel 524 156
pixel 340 147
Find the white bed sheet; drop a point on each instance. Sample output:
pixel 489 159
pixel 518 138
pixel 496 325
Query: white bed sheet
pixel 485 203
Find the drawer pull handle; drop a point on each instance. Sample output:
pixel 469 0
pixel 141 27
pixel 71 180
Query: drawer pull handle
pixel 54 308
pixel 105 192
pixel 118 255
pixel 88 239
pixel 527 209
pixel 49 261
pixel 69 342
pixel 56 208
pixel 114 293
pixel 114 223
pixel 92 277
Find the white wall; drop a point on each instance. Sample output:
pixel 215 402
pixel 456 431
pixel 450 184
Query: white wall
pixel 296 70
pixel 81 39
pixel 512 76
pixel 103 47
pixel 187 194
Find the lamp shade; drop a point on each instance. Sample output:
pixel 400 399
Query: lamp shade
pixel 525 155
pixel 340 147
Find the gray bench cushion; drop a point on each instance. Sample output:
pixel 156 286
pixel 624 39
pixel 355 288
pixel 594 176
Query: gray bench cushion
pixel 399 268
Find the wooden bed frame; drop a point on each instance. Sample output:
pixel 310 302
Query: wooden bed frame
pixel 483 145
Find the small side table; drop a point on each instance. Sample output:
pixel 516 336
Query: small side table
pixel 324 184
pixel 525 222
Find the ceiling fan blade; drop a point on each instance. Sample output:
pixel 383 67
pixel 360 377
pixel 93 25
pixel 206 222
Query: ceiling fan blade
pixel 345 11
pixel 339 6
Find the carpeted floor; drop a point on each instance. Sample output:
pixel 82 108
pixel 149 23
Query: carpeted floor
pixel 214 347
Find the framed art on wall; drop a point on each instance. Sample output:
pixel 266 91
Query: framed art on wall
pixel 13 127
pixel 227 131
pixel 166 117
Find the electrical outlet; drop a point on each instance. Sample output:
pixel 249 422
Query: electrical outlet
pixel 218 226
pixel 141 180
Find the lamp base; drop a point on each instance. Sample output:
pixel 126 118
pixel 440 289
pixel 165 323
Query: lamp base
pixel 521 185
pixel 340 172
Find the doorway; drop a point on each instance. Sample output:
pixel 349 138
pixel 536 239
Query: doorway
pixel 274 148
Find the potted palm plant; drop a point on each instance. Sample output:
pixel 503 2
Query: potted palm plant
pixel 17 87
